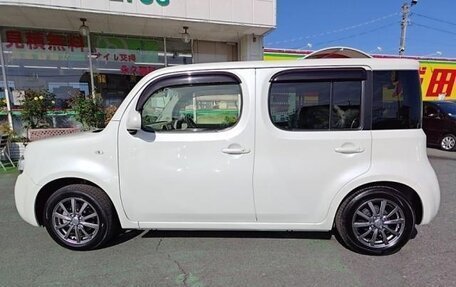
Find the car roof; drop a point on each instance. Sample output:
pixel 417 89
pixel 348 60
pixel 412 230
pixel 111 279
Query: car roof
pixel 374 64
pixel 440 104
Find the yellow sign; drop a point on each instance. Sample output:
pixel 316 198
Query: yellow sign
pixel 438 80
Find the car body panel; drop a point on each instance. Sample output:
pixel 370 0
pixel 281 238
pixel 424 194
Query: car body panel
pixel 389 156
pixel 88 156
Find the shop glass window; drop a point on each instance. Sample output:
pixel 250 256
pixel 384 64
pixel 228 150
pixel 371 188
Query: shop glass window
pixel 45 60
pixel 396 100
pixel 316 105
pixel 120 62
pixel 192 108
pixel 178 52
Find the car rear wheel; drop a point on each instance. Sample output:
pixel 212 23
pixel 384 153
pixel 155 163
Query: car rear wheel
pixel 448 142
pixel 376 220
pixel 80 217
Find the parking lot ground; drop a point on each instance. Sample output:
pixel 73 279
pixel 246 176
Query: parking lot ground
pixel 28 256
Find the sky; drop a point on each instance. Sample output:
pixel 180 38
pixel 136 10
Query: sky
pixel 371 26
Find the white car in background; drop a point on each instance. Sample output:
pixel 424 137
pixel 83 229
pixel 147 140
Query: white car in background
pixel 312 145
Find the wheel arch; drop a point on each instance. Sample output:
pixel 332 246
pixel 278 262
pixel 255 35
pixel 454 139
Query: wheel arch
pixel 409 193
pixel 51 187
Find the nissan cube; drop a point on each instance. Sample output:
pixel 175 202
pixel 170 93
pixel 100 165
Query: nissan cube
pixel 312 145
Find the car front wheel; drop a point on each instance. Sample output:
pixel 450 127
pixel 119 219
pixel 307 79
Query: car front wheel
pixel 80 217
pixel 376 220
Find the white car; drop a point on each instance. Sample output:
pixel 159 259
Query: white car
pixel 311 145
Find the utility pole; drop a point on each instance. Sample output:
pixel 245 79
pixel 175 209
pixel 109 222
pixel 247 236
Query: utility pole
pixel 405 19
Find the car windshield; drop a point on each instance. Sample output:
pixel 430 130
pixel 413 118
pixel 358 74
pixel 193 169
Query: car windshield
pixel 448 108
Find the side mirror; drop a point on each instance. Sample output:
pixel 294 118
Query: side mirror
pixel 133 122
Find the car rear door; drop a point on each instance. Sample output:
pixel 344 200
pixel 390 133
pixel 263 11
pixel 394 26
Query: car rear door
pixel 312 138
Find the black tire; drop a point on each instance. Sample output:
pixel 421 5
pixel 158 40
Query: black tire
pixel 88 229
pixel 448 142
pixel 396 234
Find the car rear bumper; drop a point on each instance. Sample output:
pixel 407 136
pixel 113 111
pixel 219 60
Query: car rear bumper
pixel 430 195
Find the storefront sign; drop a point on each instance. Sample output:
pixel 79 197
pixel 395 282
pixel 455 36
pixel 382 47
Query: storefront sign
pixel 43 41
pixel 35 45
pixel 131 56
pixel 438 80
pixel 162 3
pixel 128 56
pixel 136 70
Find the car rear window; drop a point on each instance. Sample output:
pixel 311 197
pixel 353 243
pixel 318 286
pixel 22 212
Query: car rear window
pixel 396 100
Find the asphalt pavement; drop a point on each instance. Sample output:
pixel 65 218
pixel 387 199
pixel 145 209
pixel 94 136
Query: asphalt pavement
pixel 28 256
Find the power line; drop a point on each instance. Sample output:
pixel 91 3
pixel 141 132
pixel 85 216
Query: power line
pixel 425 41
pixel 435 29
pixel 435 19
pixel 344 29
pixel 356 35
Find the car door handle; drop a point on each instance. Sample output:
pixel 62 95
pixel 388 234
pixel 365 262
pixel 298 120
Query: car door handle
pixel 349 150
pixel 235 150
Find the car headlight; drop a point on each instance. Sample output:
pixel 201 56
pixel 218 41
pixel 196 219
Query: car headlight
pixel 21 164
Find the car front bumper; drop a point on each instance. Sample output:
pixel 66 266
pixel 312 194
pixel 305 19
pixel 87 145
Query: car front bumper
pixel 25 195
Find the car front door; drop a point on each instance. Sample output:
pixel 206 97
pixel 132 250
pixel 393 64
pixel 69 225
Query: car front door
pixel 192 161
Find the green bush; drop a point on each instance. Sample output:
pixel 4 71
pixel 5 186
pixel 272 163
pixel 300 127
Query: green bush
pixel 2 104
pixel 35 105
pixel 89 111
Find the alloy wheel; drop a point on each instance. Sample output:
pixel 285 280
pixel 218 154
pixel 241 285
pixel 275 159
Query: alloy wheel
pixel 75 220
pixel 448 142
pixel 378 223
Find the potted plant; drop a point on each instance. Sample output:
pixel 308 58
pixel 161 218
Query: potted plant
pixel 88 111
pixel 16 143
pixel 3 104
pixel 36 106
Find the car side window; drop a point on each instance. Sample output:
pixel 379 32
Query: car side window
pixel 312 103
pixel 192 108
pixel 430 111
pixel 396 102
pixel 300 106
pixel 346 105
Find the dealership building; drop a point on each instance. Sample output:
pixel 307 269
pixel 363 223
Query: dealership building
pixel 104 47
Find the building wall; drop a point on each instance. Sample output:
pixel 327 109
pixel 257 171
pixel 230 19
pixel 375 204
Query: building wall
pixel 251 12
pixel 207 52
